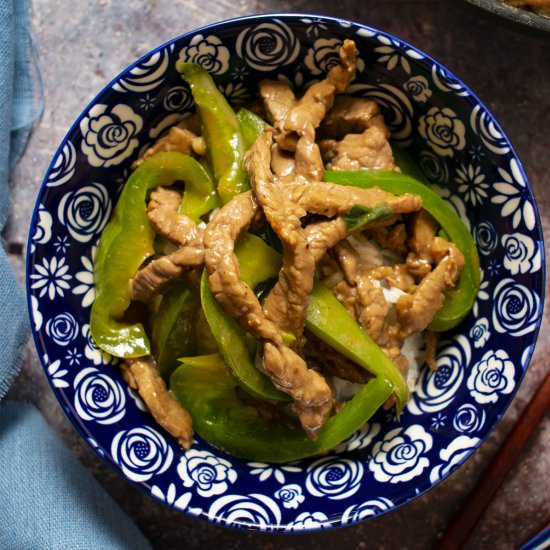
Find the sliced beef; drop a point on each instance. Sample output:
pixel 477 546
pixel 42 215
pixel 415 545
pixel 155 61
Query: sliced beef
pixel 142 374
pixel 278 99
pixel 157 275
pixel 370 149
pixel 351 115
pixel 371 305
pixel 422 233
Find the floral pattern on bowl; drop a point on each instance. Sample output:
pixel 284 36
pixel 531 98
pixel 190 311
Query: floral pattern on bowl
pixel 463 153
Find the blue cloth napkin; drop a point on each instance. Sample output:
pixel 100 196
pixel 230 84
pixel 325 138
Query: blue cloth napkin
pixel 47 499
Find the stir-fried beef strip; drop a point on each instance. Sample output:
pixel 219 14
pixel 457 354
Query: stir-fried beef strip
pixel 142 374
pixel 415 311
pixel 351 115
pixel 323 235
pixel 422 233
pixel 163 213
pixel 288 371
pixel 278 99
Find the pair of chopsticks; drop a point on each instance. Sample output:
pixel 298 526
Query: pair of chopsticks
pixel 469 514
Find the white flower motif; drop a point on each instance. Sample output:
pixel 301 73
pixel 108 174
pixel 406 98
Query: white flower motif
pixel 472 183
pixel 324 55
pixel 73 356
pixel 181 503
pixel 291 495
pixel 513 195
pixel 209 53
pixel 516 308
pixel 36 314
pixel 98 397
pixel 265 471
pixel 434 167
pixel 91 351
pixel 141 453
pixel 361 439
pixel 146 102
pixel 468 419
pixel 147 75
pixel 419 88
pixel 435 390
pixel 314 26
pixel 455 201
pixel 485 127
pixel 307 521
pixel 438 421
pixel 43 228
pixel 178 99
pixel 491 376
pixel 390 55
pixel 443 131
pixel 61 244
pixel 268 46
pixel 253 510
pixel 334 477
pixel 486 237
pixel 400 456
pixel 56 374
pixel 62 328
pixel 86 280
pixel 210 474
pixel 63 168
pixel 51 278
pixel 85 211
pixel 480 332
pixel 370 508
pixel 236 93
pixel 109 134
pixel 453 455
pixel 521 253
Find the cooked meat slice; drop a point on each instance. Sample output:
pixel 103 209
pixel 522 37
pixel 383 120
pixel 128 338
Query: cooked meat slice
pixel 370 149
pixel 348 260
pixel 286 304
pixel 397 276
pixel 372 308
pixel 282 162
pixel 309 162
pixel 142 374
pixel 236 297
pixel 415 311
pixel 323 235
pixel 278 99
pixel 157 275
pixel 329 199
pixel 422 233
pixel 318 98
pixel 177 139
pixel 393 237
pixel 351 115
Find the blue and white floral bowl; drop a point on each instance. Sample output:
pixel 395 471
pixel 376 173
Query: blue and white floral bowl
pixel 460 148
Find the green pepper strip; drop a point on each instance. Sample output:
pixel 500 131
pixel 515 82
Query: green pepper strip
pixel 172 326
pixel 124 245
pixel 204 387
pixel 258 262
pixel 327 318
pixel 252 126
pixel 221 131
pixel 459 300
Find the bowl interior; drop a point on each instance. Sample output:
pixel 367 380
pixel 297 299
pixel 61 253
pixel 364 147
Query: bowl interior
pixel 460 149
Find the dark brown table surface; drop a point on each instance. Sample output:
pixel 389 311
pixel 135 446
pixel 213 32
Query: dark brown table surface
pixel 83 44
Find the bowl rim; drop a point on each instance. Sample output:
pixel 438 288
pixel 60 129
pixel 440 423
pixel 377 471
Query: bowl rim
pixel 472 98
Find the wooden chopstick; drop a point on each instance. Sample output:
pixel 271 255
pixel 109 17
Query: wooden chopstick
pixel 478 500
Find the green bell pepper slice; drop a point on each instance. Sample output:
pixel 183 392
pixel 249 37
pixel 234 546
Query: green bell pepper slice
pixel 172 326
pixel 252 126
pixel 460 299
pixel 221 131
pixel 258 262
pixel 204 387
pixel 126 242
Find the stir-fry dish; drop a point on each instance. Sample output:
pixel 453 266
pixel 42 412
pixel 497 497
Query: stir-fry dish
pixel 271 277
pixel 542 7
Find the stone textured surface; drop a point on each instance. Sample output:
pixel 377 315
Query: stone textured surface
pixel 82 45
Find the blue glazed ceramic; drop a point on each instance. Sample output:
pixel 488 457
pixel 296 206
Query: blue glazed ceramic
pixel 460 148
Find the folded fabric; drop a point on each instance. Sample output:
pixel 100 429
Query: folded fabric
pixel 48 500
